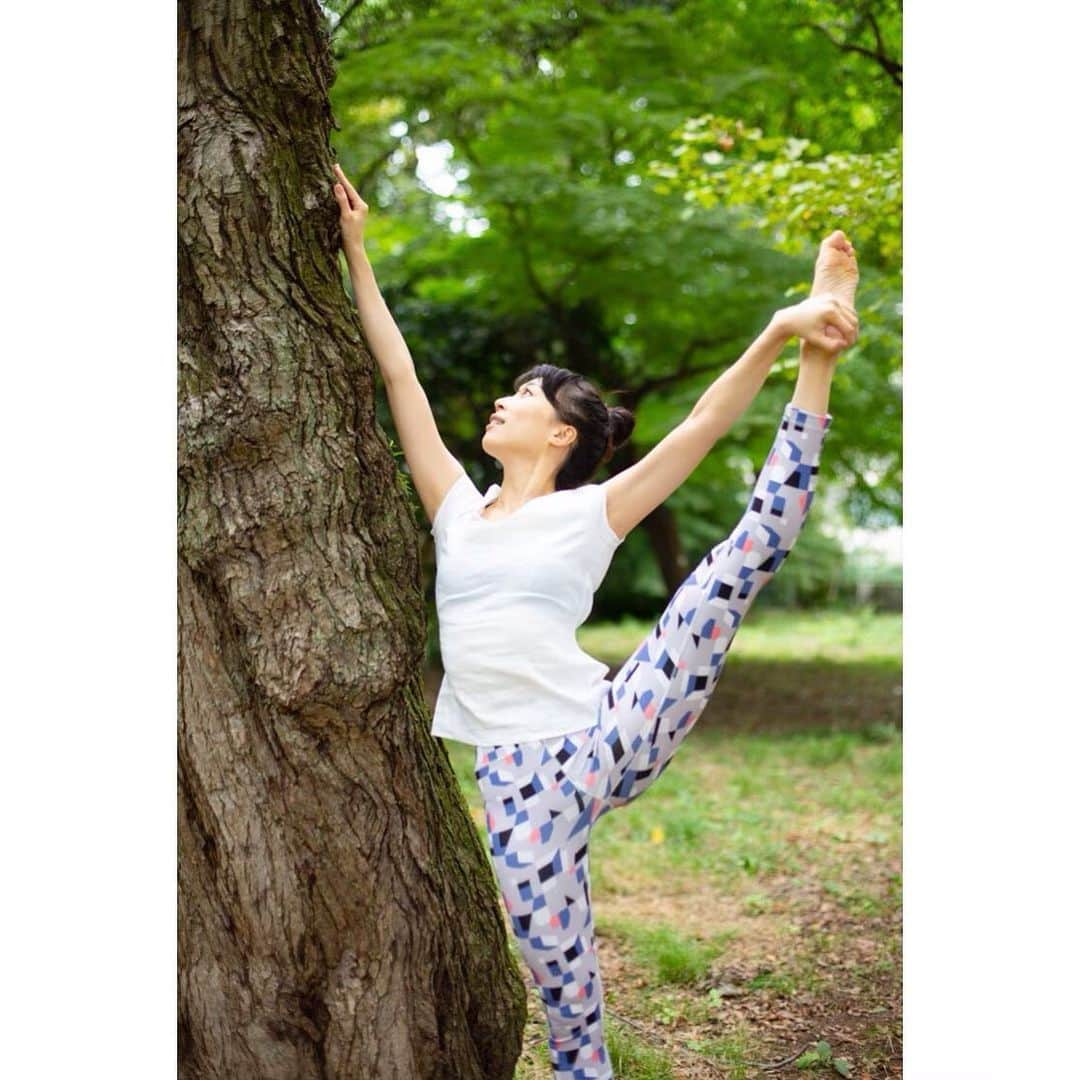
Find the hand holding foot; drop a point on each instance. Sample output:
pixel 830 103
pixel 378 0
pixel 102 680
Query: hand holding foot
pixel 836 274
pixel 827 320
pixel 822 321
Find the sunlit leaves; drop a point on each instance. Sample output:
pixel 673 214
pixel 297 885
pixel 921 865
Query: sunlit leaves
pixel 569 223
pixel 788 188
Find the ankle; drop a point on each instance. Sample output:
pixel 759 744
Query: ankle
pixel 816 355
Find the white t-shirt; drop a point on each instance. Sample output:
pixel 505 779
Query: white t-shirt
pixel 510 594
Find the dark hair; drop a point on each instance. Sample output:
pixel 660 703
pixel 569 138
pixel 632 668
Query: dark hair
pixel 600 430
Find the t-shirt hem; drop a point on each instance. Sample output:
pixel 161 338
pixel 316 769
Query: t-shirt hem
pixel 508 736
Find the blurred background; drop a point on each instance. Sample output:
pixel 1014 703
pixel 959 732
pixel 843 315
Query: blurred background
pixel 630 189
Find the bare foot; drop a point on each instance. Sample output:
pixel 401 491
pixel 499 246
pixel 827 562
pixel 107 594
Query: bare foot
pixel 836 272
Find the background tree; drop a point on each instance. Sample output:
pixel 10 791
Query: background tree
pixel 568 230
pixel 337 914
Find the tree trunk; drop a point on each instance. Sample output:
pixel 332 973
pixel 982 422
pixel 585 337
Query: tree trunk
pixel 337 912
pixel 663 533
pixel 660 527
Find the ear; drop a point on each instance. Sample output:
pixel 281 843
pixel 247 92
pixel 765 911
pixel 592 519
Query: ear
pixel 565 436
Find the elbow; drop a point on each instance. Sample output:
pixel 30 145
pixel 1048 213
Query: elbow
pixel 400 375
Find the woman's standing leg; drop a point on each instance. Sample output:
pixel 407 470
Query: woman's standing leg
pixel 658 694
pixel 539 826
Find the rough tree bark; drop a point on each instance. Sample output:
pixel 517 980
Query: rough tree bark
pixel 337 913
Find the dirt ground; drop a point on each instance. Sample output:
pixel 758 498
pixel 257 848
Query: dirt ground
pixel 813 966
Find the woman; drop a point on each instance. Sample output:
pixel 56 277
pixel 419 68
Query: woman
pixel 557 743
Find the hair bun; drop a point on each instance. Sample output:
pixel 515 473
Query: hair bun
pixel 620 426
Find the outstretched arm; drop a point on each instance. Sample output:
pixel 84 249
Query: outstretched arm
pixel 635 492
pixel 432 467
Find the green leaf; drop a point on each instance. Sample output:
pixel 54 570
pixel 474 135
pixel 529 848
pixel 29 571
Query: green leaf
pixel 568 215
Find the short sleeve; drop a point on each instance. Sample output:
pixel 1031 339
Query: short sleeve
pixel 462 496
pixel 598 499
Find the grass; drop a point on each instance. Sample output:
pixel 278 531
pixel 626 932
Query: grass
pixel 751 898
pixel 631 1056
pixel 739 808
pixel 667 955
pixel 731 1050
pixel 845 637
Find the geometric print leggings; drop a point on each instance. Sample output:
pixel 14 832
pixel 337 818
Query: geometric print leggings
pixel 542 797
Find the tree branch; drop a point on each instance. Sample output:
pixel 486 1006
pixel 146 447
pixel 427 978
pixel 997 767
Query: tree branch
pixel 682 371
pixel 526 257
pixel 365 177
pixel 592 256
pixel 344 15
pixel 459 136
pixel 877 30
pixel 890 66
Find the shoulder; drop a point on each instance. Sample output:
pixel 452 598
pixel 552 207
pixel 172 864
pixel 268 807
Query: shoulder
pixel 462 496
pixel 594 497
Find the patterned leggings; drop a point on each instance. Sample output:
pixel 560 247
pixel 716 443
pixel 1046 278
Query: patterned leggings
pixel 542 797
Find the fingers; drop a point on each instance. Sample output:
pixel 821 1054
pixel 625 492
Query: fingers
pixel 342 189
pixel 355 202
pixel 836 334
pixel 839 305
pixel 849 328
pixel 831 345
pixel 845 334
pixel 845 320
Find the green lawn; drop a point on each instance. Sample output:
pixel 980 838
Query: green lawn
pixel 858 636
pixel 748 905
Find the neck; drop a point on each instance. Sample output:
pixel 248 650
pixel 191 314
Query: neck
pixel 522 481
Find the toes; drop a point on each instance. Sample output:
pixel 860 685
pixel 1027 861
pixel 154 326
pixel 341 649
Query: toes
pixel 838 239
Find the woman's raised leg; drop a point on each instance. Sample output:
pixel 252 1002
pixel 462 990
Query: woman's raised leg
pixel 658 694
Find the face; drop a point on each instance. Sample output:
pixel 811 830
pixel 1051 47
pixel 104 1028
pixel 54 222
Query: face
pixel 524 422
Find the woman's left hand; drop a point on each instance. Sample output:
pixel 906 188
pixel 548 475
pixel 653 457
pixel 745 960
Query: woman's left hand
pixel 824 321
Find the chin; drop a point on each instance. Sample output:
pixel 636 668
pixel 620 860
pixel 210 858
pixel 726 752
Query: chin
pixel 490 446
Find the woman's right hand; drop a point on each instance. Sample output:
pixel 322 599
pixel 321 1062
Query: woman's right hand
pixel 353 212
pixel 825 321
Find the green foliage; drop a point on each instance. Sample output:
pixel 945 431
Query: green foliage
pixel 782 813
pixel 776 981
pixel 672 957
pixel 858 636
pixel 790 188
pixel 557 239
pixel 632 1057
pixel 821 1057
pixel 404 481
pixel 733 1048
